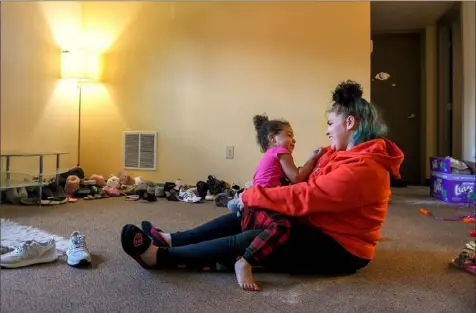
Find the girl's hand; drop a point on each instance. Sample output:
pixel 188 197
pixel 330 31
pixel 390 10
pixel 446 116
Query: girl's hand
pixel 316 154
pixel 240 203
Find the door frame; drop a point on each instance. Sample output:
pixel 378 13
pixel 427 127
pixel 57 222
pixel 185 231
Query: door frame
pixel 450 92
pixel 423 94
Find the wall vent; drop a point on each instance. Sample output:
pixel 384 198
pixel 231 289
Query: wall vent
pixel 140 150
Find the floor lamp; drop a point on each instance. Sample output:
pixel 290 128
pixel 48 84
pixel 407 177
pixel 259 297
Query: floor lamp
pixel 82 66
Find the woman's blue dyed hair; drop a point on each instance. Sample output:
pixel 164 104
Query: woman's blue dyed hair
pixel 347 100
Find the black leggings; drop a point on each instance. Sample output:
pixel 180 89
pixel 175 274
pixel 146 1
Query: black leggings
pixel 222 241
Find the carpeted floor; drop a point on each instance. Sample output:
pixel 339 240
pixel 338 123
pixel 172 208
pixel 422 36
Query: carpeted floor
pixel 409 274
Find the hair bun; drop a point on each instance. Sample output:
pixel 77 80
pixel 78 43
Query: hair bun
pixel 347 92
pixel 259 120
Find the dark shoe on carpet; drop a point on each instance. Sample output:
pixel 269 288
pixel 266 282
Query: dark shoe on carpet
pixel 171 195
pixel 154 233
pixel 221 200
pixel 135 242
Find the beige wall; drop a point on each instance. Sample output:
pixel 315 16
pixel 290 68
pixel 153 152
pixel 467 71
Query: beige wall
pixel 38 111
pixel 468 27
pixel 198 72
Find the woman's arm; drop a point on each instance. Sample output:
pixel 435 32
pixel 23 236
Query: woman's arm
pixel 345 188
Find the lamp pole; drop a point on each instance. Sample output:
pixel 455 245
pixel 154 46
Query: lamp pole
pixel 79 65
pixel 79 122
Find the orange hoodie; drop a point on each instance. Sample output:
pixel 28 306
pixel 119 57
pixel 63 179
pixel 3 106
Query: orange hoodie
pixel 346 196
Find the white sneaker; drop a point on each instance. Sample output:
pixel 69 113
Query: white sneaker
pixel 5 249
pixel 29 253
pixel 77 252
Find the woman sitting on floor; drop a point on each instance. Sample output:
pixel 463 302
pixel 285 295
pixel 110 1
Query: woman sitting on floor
pixel 335 216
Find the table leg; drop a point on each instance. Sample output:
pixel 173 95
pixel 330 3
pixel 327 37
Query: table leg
pixel 40 180
pixel 8 170
pixel 57 167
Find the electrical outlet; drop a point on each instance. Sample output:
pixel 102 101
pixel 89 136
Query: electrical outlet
pixel 230 152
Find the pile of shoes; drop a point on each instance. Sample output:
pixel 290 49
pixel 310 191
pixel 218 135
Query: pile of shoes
pixel 215 188
pixel 178 191
pixel 222 199
pixel 52 194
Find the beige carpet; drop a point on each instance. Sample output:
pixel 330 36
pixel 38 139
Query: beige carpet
pixel 409 274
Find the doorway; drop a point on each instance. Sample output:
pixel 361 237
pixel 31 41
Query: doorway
pixel 396 69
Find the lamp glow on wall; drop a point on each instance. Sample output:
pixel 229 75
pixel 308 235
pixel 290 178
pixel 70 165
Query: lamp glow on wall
pixel 83 66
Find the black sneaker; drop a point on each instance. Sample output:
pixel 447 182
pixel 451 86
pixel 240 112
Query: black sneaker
pixel 154 233
pixel 135 242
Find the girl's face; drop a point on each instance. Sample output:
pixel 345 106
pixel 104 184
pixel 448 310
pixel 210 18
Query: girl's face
pixel 285 139
pixel 339 130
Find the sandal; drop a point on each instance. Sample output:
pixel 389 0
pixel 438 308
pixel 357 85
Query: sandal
pixel 53 201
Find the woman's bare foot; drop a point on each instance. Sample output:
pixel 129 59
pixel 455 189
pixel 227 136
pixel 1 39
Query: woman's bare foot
pixel 150 256
pixel 244 275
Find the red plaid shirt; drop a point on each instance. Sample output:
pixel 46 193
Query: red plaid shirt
pixel 276 231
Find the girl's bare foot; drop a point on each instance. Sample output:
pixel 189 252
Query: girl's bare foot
pixel 244 275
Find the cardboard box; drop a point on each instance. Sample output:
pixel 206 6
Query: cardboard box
pixel 452 188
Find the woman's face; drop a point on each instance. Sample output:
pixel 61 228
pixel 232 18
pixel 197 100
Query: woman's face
pixel 339 131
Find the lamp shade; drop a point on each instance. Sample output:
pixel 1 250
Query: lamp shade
pixel 80 64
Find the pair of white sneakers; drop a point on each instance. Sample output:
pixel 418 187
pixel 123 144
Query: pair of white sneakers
pixel 35 252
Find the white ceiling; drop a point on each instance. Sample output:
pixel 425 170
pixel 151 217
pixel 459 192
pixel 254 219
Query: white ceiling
pixel 406 15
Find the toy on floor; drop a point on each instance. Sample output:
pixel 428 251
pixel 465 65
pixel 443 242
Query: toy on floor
pixel 113 181
pixel 125 178
pixel 72 184
pixel 469 217
pixel 466 259
pixel 99 180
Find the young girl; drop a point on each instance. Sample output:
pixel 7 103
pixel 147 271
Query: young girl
pixel 276 139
